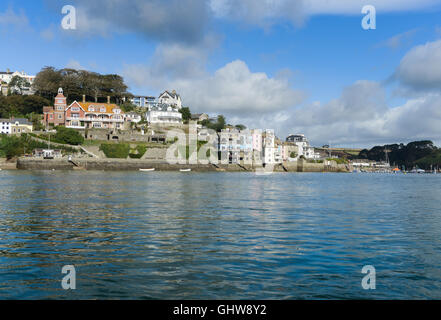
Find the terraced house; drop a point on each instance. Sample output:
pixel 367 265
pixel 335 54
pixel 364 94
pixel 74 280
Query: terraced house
pixel 82 115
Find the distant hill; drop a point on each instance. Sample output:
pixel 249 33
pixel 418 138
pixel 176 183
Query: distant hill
pixel 423 154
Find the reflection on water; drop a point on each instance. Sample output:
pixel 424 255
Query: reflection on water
pixel 219 235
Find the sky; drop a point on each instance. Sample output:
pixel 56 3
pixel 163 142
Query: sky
pixel 295 66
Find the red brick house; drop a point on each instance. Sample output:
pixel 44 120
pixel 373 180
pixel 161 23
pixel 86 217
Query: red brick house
pixel 55 115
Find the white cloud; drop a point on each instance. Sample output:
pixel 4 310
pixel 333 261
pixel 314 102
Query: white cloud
pixel 267 12
pixel 354 6
pixel 398 40
pixel 73 64
pixel 163 20
pixel 361 117
pixel 10 18
pixel 232 89
pixel 420 69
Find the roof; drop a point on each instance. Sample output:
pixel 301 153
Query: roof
pixel 172 94
pixel 85 106
pixel 21 121
pixel 48 109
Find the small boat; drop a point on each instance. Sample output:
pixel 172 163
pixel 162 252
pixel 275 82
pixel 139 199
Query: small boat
pixel 147 170
pixel 185 170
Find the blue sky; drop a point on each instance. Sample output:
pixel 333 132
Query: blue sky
pixel 295 66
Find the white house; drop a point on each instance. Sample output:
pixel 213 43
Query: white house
pixel 165 110
pixel 268 145
pixel 303 144
pixel 15 126
pixel 163 114
pixel 236 146
pixel 6 77
pixel 5 126
pixel 133 117
pixel 171 99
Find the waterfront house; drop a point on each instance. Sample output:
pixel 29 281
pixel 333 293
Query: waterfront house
pixel 290 151
pixel 82 115
pixel 236 146
pixel 268 146
pixel 47 153
pixel 304 149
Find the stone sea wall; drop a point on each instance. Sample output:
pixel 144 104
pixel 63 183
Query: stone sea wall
pixel 161 165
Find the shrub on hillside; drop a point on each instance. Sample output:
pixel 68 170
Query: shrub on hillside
pixel 68 136
pixel 140 151
pixel 117 150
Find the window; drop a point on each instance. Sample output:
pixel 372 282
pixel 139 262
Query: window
pixel 51 116
pixel 91 109
pixel 75 115
pixel 103 109
pixel 60 116
pixel 75 109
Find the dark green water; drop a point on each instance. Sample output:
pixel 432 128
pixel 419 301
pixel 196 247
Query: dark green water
pixel 219 235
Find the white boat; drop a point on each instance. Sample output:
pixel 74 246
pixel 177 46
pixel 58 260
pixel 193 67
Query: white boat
pixel 185 170
pixel 147 170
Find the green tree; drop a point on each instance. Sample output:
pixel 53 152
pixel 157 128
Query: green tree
pixel 18 83
pixel 186 114
pixel 240 127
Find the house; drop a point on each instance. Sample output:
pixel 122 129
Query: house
pixel 47 153
pixel 170 98
pixel 290 151
pixel 236 146
pixel 164 114
pixel 3 88
pixel 142 101
pixel 133 117
pixel 82 115
pixel 268 147
pixel 304 149
pixel 15 126
pixel 55 115
pixel 5 126
pixel 6 77
pixel 199 117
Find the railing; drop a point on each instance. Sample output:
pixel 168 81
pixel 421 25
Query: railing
pixel 95 119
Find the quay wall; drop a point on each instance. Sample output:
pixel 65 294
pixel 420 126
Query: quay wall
pixel 161 165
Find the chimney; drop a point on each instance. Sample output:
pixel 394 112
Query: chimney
pixel 108 99
pixel 84 98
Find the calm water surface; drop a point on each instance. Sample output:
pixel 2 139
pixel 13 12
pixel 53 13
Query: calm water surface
pixel 219 235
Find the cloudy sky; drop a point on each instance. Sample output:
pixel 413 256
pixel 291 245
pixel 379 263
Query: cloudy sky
pixel 296 66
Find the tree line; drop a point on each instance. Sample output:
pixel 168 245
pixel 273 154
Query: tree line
pixel 423 154
pixel 76 83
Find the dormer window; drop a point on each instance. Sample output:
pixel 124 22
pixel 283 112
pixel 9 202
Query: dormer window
pixel 92 109
pixel 102 109
pixel 116 111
